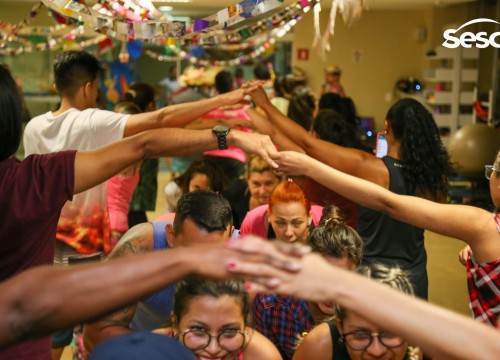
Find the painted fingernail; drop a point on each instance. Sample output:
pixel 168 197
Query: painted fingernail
pixel 231 265
pixel 247 286
pixel 292 265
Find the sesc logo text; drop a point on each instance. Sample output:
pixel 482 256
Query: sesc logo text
pixel 469 39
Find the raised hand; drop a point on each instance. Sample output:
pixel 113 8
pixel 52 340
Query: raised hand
pixel 291 162
pixel 254 143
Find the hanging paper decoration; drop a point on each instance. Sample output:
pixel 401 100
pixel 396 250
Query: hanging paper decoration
pixel 124 56
pixel 197 51
pixel 350 11
pixel 134 49
pixel 235 45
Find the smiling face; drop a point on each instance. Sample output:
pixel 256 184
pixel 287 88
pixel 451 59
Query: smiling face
pixel 260 185
pixel 376 350
pixel 203 317
pixel 290 221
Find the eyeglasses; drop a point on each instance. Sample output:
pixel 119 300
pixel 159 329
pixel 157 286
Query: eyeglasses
pixel 361 340
pixel 229 340
pixel 488 170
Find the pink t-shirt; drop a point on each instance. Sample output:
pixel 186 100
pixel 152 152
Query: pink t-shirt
pixel 120 190
pixel 231 152
pixel 253 223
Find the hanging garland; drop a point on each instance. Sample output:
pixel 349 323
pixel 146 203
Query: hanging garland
pixel 113 19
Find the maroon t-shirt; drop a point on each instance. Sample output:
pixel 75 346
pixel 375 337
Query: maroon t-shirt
pixel 32 194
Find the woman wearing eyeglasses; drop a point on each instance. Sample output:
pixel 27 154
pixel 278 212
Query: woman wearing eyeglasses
pixel 479 228
pixel 209 318
pixel 349 336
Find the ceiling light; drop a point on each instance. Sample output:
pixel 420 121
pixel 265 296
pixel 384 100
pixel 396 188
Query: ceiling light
pixel 165 8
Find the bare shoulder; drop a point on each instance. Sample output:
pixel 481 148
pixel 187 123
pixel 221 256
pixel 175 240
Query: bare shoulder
pixel 374 170
pixel 259 347
pixel 137 240
pixel 318 342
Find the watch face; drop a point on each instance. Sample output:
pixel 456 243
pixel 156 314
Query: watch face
pixel 221 128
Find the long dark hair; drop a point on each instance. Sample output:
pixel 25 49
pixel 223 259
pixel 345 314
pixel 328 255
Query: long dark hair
pixel 422 153
pixel 11 110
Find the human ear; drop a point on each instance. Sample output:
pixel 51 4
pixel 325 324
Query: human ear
pixel 170 235
pixel 87 88
pixel 175 325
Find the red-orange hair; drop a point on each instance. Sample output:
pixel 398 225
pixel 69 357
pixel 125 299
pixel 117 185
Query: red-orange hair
pixel 287 192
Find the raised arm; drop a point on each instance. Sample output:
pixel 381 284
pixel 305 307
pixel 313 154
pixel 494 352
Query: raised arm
pixel 35 303
pixel 96 166
pixel 473 225
pixel 180 115
pixel 439 332
pixel 263 126
pixel 351 161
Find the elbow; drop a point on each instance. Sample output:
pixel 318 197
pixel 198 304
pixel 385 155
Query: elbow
pixel 388 207
pixel 27 322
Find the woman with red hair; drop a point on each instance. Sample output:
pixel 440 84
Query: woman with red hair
pixel 288 217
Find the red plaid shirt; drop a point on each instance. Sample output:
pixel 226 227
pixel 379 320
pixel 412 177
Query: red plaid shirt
pixel 483 281
pixel 282 319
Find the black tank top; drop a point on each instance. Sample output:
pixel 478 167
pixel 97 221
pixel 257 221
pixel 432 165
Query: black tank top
pixel 339 350
pixel 393 242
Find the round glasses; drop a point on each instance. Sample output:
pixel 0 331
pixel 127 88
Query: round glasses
pixel 361 340
pixel 488 170
pixel 229 340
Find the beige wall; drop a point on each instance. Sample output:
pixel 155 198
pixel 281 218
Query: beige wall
pixel 387 42
pixel 389 48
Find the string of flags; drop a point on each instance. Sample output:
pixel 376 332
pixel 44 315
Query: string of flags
pixel 235 31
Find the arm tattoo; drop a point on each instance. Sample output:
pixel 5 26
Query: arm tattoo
pixel 137 240
pixel 121 318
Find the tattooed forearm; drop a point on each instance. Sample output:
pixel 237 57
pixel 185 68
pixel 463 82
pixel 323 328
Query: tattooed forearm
pixel 119 318
pixel 137 240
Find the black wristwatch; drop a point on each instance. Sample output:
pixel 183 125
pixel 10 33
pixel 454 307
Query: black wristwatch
pixel 221 132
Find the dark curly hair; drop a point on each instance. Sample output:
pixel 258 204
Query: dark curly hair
pixel 422 153
pixel 218 180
